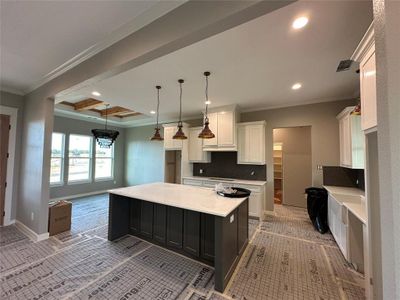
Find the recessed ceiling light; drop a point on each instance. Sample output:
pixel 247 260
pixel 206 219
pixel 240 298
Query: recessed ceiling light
pixel 296 86
pixel 300 22
pixel 207 102
pixel 96 93
pixel 152 112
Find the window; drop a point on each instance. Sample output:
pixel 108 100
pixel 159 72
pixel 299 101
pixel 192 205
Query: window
pixel 104 162
pixel 57 158
pixel 80 158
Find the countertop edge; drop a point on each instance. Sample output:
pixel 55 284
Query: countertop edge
pixel 239 202
pixel 229 180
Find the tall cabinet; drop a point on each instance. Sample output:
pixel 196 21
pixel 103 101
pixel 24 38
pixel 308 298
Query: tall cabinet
pixel 365 55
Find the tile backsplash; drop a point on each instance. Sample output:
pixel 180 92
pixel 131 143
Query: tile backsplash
pixel 339 176
pixel 224 164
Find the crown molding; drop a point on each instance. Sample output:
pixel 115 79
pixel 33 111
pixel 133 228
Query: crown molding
pixel 156 11
pixel 365 44
pixel 12 91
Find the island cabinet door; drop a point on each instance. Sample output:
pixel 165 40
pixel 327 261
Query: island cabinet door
pixel 191 232
pixel 207 242
pixel 160 223
pixel 135 216
pixel 146 219
pixel 175 227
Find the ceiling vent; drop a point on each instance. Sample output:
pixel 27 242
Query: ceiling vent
pixel 344 65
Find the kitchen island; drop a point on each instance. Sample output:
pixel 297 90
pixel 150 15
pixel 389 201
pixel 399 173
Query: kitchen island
pixel 192 221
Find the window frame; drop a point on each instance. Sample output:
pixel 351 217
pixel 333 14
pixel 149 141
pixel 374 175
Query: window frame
pixel 62 158
pixel 90 158
pixel 112 164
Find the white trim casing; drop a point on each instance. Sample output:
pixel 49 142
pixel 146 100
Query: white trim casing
pixel 12 112
pixel 30 233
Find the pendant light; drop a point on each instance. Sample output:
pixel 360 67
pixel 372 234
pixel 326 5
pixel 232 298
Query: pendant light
pixel 105 137
pixel 157 136
pixel 180 135
pixel 206 133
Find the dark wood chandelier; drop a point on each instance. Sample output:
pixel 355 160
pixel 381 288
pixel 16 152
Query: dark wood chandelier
pixel 105 137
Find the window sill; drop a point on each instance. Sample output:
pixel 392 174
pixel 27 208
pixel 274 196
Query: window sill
pixel 56 184
pixel 79 182
pixel 104 179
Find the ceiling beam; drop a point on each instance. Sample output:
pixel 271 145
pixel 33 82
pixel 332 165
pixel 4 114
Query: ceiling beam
pixel 132 114
pixel 116 110
pixel 87 104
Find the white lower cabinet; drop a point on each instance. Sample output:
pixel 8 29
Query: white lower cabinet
pixel 337 221
pixel 256 198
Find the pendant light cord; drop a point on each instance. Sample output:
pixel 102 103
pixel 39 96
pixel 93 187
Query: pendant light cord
pixel 107 114
pixel 180 103
pixel 158 103
pixel 206 97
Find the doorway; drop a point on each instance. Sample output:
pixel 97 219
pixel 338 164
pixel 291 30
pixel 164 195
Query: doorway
pixel 172 166
pixel 4 137
pixel 292 165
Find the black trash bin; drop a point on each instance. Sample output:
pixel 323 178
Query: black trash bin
pixel 317 207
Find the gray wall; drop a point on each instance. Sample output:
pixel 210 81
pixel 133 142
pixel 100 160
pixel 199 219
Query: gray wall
pixel 324 135
pixel 16 101
pixel 144 158
pixel 72 126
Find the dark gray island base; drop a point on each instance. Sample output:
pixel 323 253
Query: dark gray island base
pixel 214 240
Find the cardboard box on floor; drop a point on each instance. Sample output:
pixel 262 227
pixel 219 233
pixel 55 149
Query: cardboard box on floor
pixel 59 217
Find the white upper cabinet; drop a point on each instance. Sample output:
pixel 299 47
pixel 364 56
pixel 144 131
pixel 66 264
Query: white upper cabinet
pixel 365 55
pixel 351 139
pixel 169 132
pixel 196 153
pixel 368 90
pixel 223 125
pixel 251 143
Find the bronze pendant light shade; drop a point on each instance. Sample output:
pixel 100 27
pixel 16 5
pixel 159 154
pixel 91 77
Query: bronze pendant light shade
pixel 206 133
pixel 180 135
pixel 157 136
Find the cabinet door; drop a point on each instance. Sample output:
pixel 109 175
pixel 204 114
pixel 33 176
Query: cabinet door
pixel 160 223
pixel 196 153
pixel 213 119
pixel 135 216
pixel 346 141
pixel 169 142
pixel 256 145
pixel 174 227
pixel 191 232
pixel 146 219
pixel 207 248
pixel 226 129
pixel 242 145
pixel 255 204
pixel 368 91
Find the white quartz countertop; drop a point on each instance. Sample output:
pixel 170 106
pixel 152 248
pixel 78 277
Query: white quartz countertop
pixel 227 180
pixel 351 198
pixel 182 196
pixel 344 190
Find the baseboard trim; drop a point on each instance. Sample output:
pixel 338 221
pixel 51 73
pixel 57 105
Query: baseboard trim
pixel 30 233
pixel 11 222
pixel 78 195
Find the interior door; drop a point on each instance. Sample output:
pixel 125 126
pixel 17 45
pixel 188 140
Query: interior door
pixel 4 135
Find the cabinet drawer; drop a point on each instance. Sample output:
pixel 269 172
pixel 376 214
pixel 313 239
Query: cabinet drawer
pixel 192 182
